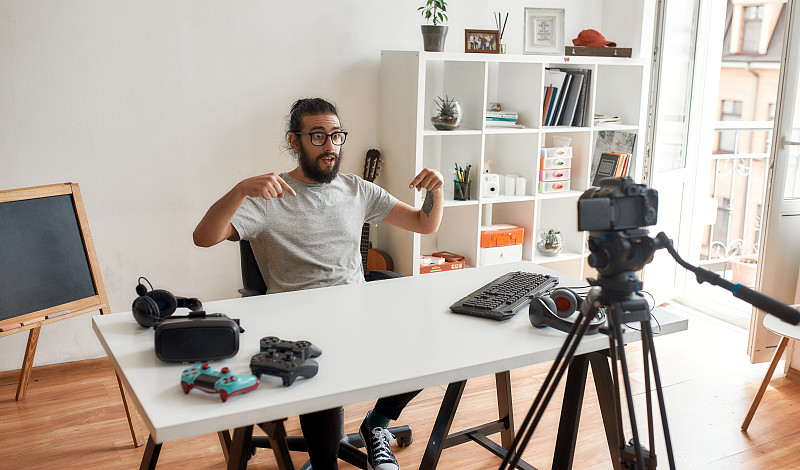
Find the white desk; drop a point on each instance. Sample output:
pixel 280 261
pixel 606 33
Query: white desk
pixel 419 344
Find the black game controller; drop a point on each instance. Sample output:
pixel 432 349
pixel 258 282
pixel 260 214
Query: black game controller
pixel 284 366
pixel 285 359
pixel 301 349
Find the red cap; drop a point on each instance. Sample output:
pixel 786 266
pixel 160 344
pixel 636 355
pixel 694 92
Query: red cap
pixel 592 38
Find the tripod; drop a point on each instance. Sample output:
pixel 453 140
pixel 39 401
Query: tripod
pixel 619 294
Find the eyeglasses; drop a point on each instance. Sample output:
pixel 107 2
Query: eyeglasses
pixel 318 138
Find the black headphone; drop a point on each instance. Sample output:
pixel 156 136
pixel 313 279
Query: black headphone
pixel 150 307
pixel 555 309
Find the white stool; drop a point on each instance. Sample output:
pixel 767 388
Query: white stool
pixel 786 332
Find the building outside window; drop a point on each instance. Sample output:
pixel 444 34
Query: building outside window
pixel 731 111
pixel 751 35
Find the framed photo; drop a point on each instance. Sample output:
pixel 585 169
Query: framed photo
pixel 486 41
pixel 544 31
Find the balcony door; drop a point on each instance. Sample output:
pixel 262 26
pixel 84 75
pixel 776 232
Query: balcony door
pixel 679 44
pixel 779 260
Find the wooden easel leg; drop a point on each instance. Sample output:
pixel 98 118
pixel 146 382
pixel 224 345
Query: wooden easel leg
pixel 137 430
pixel 757 400
pixel 27 362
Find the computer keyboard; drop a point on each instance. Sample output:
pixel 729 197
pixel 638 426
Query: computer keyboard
pixel 502 298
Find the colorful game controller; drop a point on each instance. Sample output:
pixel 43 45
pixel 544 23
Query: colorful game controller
pixel 285 359
pixel 223 382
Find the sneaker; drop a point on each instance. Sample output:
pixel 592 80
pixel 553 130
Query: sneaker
pixel 379 451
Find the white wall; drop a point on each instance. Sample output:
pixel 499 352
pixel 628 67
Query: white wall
pixel 158 107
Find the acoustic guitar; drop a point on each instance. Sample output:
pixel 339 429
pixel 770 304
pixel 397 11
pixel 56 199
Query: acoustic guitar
pixel 373 258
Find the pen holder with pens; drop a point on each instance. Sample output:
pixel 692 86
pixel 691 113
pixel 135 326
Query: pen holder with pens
pixel 461 183
pixel 461 190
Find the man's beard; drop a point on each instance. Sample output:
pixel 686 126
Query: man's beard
pixel 311 168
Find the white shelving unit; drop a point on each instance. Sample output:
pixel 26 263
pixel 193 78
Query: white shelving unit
pixel 409 83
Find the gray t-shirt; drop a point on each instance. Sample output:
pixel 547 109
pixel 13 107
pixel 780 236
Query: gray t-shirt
pixel 312 239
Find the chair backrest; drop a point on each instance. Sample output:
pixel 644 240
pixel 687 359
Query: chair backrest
pixel 252 280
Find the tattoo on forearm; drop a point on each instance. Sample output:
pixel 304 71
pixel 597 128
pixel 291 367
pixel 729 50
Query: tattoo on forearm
pixel 427 204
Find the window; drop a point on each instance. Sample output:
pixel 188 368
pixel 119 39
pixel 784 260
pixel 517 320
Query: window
pixel 731 111
pixel 751 34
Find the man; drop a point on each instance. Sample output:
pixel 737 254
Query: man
pixel 305 230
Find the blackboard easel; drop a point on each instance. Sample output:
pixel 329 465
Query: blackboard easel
pixel 48 270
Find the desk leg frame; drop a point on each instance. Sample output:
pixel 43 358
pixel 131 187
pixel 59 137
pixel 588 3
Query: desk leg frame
pixel 240 448
pixel 441 439
pixel 150 457
pixel 573 402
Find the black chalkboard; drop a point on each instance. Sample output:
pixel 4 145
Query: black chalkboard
pixel 48 269
pixel 42 255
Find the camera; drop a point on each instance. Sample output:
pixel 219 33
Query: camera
pixel 618 204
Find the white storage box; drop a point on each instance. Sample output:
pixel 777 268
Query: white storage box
pixel 499 254
pixel 555 163
pixel 553 152
pixel 553 186
pixel 554 175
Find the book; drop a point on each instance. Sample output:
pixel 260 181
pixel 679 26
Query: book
pixel 552 106
pixel 562 97
pixel 572 99
pixel 606 168
pixel 502 114
pixel 502 119
pixel 555 78
pixel 622 164
pixel 607 119
pixel 580 108
pixel 624 171
pixel 548 96
pixel 504 124
pixel 612 142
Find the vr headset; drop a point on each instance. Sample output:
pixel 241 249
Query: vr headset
pixel 195 337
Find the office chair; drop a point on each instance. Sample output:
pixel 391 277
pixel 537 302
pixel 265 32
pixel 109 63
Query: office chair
pixel 253 284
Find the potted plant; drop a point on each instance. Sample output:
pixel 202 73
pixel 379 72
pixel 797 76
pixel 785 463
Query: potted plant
pixel 433 35
pixel 744 270
pixel 446 113
pixel 550 242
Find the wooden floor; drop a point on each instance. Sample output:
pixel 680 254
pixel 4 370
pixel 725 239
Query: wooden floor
pixel 78 422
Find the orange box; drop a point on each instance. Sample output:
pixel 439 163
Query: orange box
pixel 435 268
pixel 501 235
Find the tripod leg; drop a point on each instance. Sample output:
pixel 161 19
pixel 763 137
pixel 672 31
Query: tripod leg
pixel 562 361
pixel 647 335
pixel 617 329
pixel 648 396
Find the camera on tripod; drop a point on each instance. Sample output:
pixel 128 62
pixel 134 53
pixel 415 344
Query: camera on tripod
pixel 618 204
pixel 615 214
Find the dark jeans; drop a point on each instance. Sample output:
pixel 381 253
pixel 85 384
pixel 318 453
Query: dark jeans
pixel 323 430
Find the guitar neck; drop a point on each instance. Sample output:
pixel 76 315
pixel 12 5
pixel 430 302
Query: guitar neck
pixel 364 245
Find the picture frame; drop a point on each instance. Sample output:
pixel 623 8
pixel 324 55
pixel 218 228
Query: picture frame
pixel 544 31
pixel 485 41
